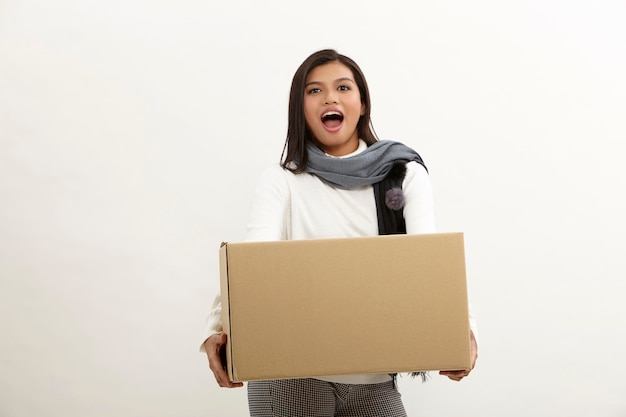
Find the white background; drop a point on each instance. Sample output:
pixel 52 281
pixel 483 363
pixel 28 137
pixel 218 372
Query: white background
pixel 132 133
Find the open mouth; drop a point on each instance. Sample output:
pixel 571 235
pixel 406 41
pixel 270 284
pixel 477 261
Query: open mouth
pixel 332 119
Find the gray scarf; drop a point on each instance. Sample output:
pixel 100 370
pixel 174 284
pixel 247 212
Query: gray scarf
pixel 368 167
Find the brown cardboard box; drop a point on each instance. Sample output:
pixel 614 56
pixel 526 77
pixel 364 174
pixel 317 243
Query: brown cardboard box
pixel 379 304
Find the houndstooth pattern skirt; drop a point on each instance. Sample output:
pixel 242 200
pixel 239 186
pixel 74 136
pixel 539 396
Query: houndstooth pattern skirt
pixel 316 398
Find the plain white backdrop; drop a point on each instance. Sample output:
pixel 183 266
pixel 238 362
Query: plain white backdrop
pixel 132 132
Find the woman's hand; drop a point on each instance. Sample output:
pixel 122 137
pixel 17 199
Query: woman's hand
pixel 213 346
pixel 459 375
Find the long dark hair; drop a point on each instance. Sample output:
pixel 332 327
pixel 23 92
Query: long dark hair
pixel 295 156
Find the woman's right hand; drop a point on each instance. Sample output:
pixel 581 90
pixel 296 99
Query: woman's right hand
pixel 213 346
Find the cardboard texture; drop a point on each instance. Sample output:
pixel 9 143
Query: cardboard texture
pixel 380 304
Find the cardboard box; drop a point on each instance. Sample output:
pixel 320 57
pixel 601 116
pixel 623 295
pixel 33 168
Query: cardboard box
pixel 378 304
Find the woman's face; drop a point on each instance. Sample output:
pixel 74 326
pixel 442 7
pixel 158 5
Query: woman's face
pixel 332 108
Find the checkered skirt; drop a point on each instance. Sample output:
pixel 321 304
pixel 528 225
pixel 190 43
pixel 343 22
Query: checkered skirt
pixel 316 398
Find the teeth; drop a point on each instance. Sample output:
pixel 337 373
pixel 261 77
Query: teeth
pixel 331 113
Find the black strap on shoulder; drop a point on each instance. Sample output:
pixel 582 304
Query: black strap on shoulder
pixel 390 222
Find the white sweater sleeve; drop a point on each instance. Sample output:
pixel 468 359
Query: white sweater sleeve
pixel 269 215
pixel 214 320
pixel 270 209
pixel 419 213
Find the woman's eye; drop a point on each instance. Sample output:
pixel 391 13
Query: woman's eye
pixel 314 90
pixel 343 88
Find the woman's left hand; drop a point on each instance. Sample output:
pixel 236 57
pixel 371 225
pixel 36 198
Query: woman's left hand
pixel 459 375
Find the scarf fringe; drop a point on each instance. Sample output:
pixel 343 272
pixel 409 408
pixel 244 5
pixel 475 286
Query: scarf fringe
pixel 425 376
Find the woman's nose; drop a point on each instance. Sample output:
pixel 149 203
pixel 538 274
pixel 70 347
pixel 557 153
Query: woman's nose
pixel 330 98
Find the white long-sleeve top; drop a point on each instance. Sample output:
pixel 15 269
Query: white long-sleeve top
pixel 289 206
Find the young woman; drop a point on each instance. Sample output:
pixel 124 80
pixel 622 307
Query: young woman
pixel 336 179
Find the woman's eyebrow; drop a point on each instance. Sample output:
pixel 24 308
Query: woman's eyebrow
pixel 344 79
pixel 338 80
